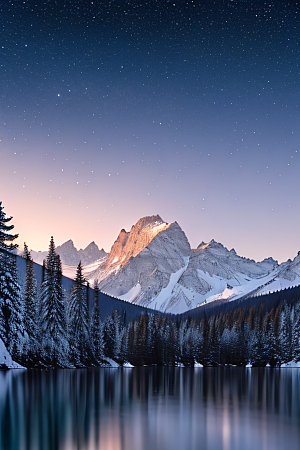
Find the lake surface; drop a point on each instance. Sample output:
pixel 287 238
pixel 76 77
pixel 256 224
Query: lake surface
pixel 150 408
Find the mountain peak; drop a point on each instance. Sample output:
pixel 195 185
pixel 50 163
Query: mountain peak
pixel 149 221
pixel 131 244
pixel 90 246
pixel 202 245
pixel 68 243
pixel 211 243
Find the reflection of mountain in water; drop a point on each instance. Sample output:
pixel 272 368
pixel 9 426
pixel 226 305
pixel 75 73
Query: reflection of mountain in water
pixel 150 408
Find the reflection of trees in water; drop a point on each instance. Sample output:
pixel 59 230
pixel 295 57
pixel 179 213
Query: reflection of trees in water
pixel 60 409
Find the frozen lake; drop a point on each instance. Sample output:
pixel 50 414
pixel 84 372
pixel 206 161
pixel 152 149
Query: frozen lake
pixel 150 408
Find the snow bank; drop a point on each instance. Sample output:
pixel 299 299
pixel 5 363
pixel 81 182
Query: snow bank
pixel 6 359
pixel 292 364
pixel 198 364
pixel 111 362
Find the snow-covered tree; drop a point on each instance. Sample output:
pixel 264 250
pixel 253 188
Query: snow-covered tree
pixel 26 253
pixel 285 334
pixel 96 329
pixel 170 343
pixel 109 337
pixel 52 316
pixel 5 236
pixel 185 343
pixel 119 332
pixel 11 326
pixel 10 306
pixel 79 321
pixel 30 311
pixel 295 317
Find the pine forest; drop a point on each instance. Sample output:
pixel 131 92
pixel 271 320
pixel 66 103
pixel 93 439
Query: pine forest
pixel 45 326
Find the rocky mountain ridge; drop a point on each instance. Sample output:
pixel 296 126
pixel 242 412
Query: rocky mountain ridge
pixel 70 256
pixel 154 266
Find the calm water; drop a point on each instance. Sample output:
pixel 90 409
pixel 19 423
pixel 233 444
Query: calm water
pixel 150 409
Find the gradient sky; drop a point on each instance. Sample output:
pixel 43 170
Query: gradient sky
pixel 113 110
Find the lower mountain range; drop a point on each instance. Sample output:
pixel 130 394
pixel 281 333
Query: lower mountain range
pixel 70 256
pixel 154 266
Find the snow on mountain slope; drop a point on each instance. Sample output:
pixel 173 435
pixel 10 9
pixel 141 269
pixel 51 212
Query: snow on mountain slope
pixel 266 277
pixel 214 272
pixel 287 275
pixel 87 270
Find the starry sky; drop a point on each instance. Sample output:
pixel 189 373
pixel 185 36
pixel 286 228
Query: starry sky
pixel 114 110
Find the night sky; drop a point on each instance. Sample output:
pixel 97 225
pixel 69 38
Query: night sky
pixel 113 110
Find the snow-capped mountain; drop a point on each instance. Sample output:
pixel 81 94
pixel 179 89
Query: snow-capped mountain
pixel 214 272
pixel 70 256
pixel 149 265
pixel 154 266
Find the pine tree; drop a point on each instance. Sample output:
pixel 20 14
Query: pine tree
pixel 52 316
pixel 272 345
pixel 109 337
pixel 183 341
pixel 214 341
pixel 296 331
pixel 30 349
pixel 26 252
pixel 205 351
pixel 79 321
pixel 170 343
pixel 131 340
pixel 142 352
pixel 119 331
pixel 5 236
pixel 97 329
pixel 10 306
pixel 157 340
pixel 259 347
pixel 198 343
pixel 11 309
pixel 285 334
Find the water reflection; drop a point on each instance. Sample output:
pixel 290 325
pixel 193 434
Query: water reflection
pixel 150 408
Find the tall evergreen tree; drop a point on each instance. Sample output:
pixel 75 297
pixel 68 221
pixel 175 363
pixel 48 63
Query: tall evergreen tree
pixel 26 252
pixel 142 353
pixel 285 334
pixel 30 310
pixel 52 316
pixel 204 354
pixel 109 337
pixel 296 331
pixel 5 236
pixel 119 331
pixel 10 307
pixel 79 321
pixel 96 329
